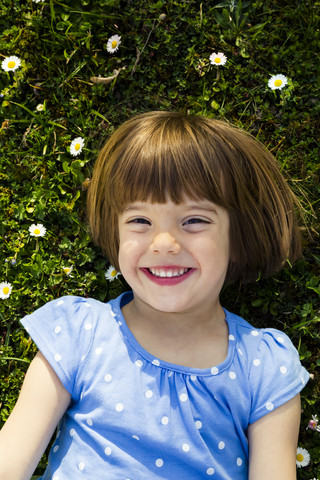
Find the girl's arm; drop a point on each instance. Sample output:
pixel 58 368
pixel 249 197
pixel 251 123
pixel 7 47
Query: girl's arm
pixel 28 430
pixel 273 443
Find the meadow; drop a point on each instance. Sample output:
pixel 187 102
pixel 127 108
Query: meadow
pixel 72 71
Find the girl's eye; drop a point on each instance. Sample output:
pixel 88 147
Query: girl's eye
pixel 193 221
pixel 139 220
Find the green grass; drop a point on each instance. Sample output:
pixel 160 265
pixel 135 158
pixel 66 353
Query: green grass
pixel 162 63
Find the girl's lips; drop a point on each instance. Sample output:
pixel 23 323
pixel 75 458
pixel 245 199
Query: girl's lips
pixel 167 275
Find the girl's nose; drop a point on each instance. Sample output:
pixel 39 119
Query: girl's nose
pixel 165 243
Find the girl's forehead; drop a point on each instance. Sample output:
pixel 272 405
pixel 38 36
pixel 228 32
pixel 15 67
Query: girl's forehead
pixel 202 205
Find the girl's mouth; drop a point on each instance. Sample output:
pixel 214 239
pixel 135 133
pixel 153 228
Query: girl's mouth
pixel 167 275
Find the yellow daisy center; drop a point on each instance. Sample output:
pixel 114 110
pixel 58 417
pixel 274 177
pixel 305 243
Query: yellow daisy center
pixel 300 457
pixel 217 60
pixel 113 273
pixel 37 231
pixel 11 64
pixel 6 290
pixel 278 83
pixel 114 44
pixel 77 146
pixel 66 270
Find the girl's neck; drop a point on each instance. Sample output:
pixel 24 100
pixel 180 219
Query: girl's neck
pixel 192 339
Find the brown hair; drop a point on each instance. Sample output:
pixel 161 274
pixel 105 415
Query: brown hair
pixel 157 155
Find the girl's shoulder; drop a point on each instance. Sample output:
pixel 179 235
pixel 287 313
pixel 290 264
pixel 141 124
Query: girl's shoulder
pixel 65 330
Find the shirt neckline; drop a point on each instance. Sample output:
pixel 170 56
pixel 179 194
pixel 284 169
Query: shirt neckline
pixel 126 297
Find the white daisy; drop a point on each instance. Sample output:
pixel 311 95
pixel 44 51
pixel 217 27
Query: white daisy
pixel 76 146
pixel 67 270
pixel 218 59
pixel 10 64
pixel 302 458
pixel 37 230
pixel 277 82
pixel 111 274
pixel 40 107
pixel 37 1
pixel 5 290
pixel 113 43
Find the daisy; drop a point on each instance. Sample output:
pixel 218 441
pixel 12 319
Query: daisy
pixel 76 146
pixel 67 270
pixel 38 1
pixel 302 458
pixel 5 290
pixel 10 64
pixel 40 107
pixel 111 274
pixel 277 82
pixel 113 43
pixel 218 59
pixel 37 230
pixel 313 423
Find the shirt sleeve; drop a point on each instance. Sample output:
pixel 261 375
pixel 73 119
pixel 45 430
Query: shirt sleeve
pixel 276 374
pixel 62 330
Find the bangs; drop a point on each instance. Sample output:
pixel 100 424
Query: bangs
pixel 166 163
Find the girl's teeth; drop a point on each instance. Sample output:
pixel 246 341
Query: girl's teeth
pixel 167 273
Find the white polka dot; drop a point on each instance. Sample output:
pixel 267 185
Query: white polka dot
pixel 87 305
pixel 108 377
pixel 214 370
pixel 198 424
pixel 255 333
pixel 280 339
pixel 164 420
pixel 58 434
pixel 60 302
pixel 148 394
pixel 231 337
pixel 170 373
pixel 135 437
pixel 88 326
pixel 156 362
pixel 98 351
pixel 240 351
pixel 193 378
pixel 57 357
pixel 107 451
pixel 239 461
pixel 221 445
pixel 186 447
pixel 210 471
pixel 256 362
pixel 269 406
pixel 89 422
pixel 283 370
pixel 232 375
pixel 57 329
pixel 183 397
pixel 302 380
pixel 72 432
pixel 119 407
pixel 83 357
pixel 55 449
pixel 81 466
pixel 119 323
pixel 159 462
pixel 138 363
pixel 112 313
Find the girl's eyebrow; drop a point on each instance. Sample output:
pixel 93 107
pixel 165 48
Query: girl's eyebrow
pixel 204 208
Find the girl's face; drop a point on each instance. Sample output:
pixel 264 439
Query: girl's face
pixel 175 257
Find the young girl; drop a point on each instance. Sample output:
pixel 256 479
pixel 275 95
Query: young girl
pixel 162 382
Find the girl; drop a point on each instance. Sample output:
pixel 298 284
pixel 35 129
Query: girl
pixel 162 382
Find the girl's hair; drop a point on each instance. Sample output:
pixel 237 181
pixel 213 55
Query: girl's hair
pixel 160 155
